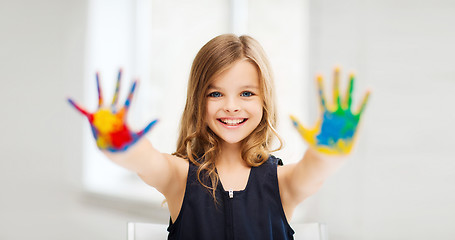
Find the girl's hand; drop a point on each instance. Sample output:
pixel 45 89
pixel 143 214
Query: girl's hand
pixel 108 123
pixel 336 129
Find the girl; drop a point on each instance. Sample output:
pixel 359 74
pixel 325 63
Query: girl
pixel 222 182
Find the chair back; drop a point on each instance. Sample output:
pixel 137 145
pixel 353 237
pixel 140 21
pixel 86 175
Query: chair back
pixel 147 231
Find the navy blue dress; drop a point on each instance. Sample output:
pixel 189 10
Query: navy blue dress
pixel 253 213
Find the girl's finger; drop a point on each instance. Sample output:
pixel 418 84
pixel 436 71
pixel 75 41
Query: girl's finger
pixel 117 89
pixel 320 85
pixel 364 103
pixel 302 130
pixel 348 96
pixel 147 128
pixel 130 97
pixel 100 95
pixel 80 109
pixel 336 88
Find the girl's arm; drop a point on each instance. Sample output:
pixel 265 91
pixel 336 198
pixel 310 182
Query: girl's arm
pixel 162 171
pixel 330 142
pixel 304 178
pixel 130 149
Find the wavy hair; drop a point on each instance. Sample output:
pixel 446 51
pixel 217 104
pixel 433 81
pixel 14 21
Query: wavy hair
pixel 196 141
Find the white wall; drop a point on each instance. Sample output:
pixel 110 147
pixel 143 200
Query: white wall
pixel 41 63
pixel 400 182
pixel 398 185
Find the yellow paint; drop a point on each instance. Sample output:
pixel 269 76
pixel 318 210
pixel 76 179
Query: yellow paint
pixel 341 147
pixel 102 143
pixel 106 122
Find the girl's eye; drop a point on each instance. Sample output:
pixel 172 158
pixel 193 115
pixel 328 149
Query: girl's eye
pixel 246 94
pixel 215 94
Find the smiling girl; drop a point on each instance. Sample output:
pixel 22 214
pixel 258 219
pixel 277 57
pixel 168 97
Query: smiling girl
pixel 223 182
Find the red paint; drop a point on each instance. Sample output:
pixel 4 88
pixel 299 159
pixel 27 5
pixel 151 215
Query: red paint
pixel 120 138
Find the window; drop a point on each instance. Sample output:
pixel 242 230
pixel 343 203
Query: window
pixel 156 41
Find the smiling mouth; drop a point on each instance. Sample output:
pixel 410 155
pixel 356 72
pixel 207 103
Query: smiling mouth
pixel 232 122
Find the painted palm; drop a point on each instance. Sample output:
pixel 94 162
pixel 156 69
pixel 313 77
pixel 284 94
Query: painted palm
pixel 335 131
pixel 108 124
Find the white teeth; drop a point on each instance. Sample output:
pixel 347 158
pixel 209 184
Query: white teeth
pixel 232 121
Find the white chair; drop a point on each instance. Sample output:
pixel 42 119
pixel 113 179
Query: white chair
pixel 310 231
pixel 147 231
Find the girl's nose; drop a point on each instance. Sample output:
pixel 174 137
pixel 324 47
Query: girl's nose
pixel 231 105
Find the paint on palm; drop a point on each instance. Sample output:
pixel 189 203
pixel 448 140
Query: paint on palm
pixel 335 131
pixel 108 124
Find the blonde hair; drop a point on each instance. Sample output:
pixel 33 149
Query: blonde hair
pixel 196 141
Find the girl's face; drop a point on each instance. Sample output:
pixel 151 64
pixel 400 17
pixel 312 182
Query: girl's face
pixel 234 104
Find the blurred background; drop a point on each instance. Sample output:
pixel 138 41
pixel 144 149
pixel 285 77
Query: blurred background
pixel 398 184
